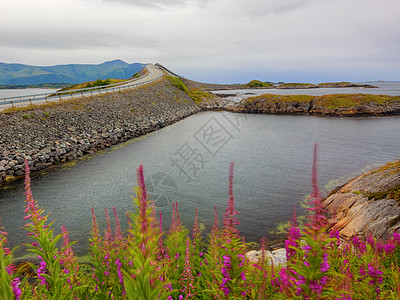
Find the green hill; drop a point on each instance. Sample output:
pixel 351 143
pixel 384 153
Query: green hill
pixel 73 73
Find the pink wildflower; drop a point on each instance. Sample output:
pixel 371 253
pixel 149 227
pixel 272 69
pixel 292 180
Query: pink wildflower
pixel 230 220
pixel 396 238
pixel 41 270
pixel 324 265
pixel 389 248
pixel 359 245
pixel 187 278
pixel 225 273
pixel 293 236
pixel 15 288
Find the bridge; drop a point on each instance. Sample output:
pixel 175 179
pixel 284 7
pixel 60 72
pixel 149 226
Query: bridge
pixel 154 73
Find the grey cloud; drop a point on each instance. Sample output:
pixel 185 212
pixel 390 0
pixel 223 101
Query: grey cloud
pixel 261 8
pixel 202 35
pixel 74 40
pixel 159 4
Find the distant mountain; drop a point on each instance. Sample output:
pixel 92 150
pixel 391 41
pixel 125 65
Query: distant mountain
pixel 74 73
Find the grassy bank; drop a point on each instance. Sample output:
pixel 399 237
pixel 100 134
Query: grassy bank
pixel 197 95
pixel 351 100
pixel 332 101
pixel 272 99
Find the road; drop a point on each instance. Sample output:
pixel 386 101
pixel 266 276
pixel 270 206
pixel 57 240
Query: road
pixel 152 75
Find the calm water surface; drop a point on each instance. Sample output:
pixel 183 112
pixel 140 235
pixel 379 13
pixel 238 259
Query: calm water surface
pixel 189 161
pixel 24 92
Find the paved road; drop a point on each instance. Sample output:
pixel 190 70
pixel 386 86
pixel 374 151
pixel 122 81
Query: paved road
pixel 153 74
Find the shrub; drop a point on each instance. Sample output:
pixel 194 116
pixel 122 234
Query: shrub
pixel 259 84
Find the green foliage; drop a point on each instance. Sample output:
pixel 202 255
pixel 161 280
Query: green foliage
pixel 6 292
pixel 28 116
pixel 178 83
pixel 197 95
pixel 336 84
pixel 55 277
pixel 393 193
pixel 272 98
pixel 335 101
pixel 99 82
pixel 260 84
pixel 298 85
pixel 378 195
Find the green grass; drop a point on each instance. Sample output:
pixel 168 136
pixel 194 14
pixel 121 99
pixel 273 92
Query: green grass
pixel 178 83
pixel 296 85
pixel 272 98
pixel 391 194
pixel 197 95
pixel 335 101
pixel 387 170
pixel 333 83
pixel 258 83
pixel 97 82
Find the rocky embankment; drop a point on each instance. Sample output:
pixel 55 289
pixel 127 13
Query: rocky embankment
pixel 368 204
pixel 339 105
pixel 217 103
pixel 63 131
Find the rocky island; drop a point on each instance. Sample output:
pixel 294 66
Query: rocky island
pixel 337 105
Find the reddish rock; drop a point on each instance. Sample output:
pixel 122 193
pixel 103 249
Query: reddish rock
pixel 367 204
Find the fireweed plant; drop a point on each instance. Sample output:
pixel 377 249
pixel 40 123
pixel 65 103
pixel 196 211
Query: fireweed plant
pixel 150 262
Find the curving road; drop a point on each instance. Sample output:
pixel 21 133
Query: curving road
pixel 152 75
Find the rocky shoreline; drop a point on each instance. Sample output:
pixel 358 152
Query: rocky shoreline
pixel 360 105
pixel 62 131
pixel 368 204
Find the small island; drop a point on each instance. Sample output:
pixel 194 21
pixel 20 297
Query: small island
pixel 297 86
pixel 345 84
pixel 334 105
pixel 258 84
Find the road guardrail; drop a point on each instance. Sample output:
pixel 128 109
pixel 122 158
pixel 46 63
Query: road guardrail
pixel 78 92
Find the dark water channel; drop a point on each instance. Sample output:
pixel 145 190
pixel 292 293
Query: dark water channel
pixel 189 161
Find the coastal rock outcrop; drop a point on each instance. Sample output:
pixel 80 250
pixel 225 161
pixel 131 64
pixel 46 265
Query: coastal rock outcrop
pixel 368 204
pixel 335 105
pixel 296 86
pixel 273 104
pixel 345 85
pixel 216 103
pixel 60 132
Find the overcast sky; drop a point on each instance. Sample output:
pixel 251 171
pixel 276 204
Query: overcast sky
pixel 224 41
